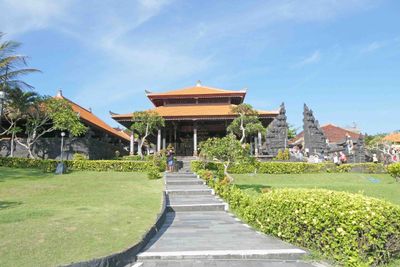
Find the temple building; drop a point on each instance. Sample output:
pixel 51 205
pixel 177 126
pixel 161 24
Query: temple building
pixel 100 141
pixel 192 115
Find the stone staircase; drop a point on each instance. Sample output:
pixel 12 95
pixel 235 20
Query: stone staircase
pixel 198 231
pixel 186 192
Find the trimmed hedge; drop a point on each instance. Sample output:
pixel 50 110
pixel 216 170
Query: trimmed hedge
pixel 289 167
pixel 394 170
pixel 48 165
pixel 352 229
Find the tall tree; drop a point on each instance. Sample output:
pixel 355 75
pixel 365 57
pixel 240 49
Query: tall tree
pixel 16 108
pixel 144 124
pixel 247 122
pixel 46 115
pixel 12 65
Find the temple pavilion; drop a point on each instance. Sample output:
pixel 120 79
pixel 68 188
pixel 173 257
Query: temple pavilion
pixel 193 114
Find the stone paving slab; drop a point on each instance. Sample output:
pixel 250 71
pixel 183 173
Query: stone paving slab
pixel 197 232
pixel 186 187
pixel 192 199
pixel 209 230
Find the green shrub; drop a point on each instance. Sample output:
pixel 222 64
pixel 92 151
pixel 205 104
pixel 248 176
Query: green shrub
pixel 47 165
pixel 79 156
pixel 394 170
pixel 132 157
pixel 78 165
pixel 273 167
pixel 352 229
pixel 285 155
pixel 153 173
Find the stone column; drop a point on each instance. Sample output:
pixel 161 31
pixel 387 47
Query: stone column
pixel 195 140
pixel 255 145
pixel 164 141
pixel 159 140
pixel 132 144
pixel 175 141
pixel 259 139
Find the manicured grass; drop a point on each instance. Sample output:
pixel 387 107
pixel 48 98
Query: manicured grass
pixel 49 220
pixel 381 186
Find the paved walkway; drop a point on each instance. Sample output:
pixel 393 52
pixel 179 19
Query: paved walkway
pixel 198 231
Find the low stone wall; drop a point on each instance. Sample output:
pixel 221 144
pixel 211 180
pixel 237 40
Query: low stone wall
pixel 50 148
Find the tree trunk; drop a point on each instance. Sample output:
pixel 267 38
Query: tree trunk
pixel 243 131
pixel 140 151
pixel 31 156
pixel 12 145
pixel 230 178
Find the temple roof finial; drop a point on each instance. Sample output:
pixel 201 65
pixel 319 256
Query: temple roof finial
pixel 198 83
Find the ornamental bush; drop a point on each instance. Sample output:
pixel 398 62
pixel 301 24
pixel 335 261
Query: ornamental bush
pixel 352 229
pixel 49 165
pixel 153 173
pixel 394 170
pixel 273 167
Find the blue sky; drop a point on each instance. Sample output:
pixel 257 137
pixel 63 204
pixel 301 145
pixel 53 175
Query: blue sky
pixel 342 58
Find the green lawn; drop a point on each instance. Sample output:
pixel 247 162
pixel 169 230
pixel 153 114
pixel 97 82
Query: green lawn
pixel 48 220
pixel 381 186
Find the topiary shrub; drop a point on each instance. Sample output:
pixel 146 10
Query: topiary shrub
pixel 79 156
pixel 78 165
pixel 394 170
pixel 153 173
pixel 352 229
pixel 272 167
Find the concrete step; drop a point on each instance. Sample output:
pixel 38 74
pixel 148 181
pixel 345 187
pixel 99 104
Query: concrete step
pixel 180 175
pixel 264 254
pixel 198 207
pixel 222 263
pixel 189 181
pixel 173 192
pixel 192 199
pixel 186 187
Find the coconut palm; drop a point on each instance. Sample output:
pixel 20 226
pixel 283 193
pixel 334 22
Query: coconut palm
pixel 12 65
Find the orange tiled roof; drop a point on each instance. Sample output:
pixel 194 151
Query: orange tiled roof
pixel 195 111
pixel 333 133
pixel 394 137
pixel 90 118
pixel 197 90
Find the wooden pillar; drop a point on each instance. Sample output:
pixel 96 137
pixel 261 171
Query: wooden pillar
pixel 132 144
pixel 194 140
pixel 158 140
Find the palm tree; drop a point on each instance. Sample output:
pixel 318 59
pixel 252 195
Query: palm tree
pixel 12 66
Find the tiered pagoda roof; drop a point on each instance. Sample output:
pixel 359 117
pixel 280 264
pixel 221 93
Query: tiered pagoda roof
pixel 196 102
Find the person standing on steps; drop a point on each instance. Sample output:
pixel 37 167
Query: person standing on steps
pixel 170 160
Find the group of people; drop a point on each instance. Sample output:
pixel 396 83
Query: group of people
pixel 339 158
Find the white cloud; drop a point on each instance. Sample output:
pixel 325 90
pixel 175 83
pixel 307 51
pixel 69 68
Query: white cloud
pixel 21 16
pixel 312 59
pixel 373 46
